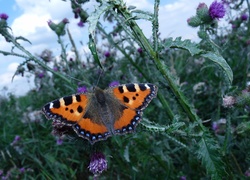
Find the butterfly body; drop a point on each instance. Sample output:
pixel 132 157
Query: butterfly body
pixel 102 113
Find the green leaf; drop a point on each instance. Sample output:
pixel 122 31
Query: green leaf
pixel 209 154
pixel 186 44
pixel 93 20
pixel 92 47
pixel 219 60
pixel 95 16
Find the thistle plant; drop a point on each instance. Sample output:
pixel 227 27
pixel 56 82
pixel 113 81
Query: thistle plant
pixel 195 128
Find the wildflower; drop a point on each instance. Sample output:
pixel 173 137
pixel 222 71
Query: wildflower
pixel 107 54
pixel 59 141
pixel 22 170
pixel 244 17
pixel 82 89
pixel 202 12
pixel 55 68
pixel 183 178
pixel 46 55
pixel 80 24
pixel 215 126
pixel 98 163
pixel 228 101
pixel 16 140
pixel 194 21
pixel 41 75
pixel 114 83
pixel 30 66
pixel 247 173
pixel 4 16
pixel 217 10
pixel 65 21
pixel 139 50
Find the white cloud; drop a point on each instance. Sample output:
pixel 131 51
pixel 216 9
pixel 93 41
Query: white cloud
pixel 32 24
pixel 19 86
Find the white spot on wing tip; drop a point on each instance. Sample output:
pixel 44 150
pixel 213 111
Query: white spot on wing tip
pixel 147 86
pixel 51 105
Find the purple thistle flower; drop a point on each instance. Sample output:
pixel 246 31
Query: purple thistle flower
pixel 41 75
pixel 59 141
pixel 65 21
pixel 139 50
pixel 4 16
pixel 1 172
pixel 80 24
pixel 107 54
pixel 217 10
pixel 215 126
pixel 22 170
pixel 201 6
pixel 82 89
pixel 98 163
pixel 16 140
pixel 244 17
pixel 247 173
pixel 183 178
pixel 114 83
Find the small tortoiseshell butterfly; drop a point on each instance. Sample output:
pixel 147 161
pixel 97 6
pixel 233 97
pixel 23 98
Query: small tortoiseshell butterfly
pixel 102 113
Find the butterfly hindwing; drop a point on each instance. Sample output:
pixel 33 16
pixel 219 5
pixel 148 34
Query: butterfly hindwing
pixel 135 97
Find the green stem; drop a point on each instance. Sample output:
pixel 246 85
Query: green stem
pixel 31 57
pixel 160 96
pixel 144 42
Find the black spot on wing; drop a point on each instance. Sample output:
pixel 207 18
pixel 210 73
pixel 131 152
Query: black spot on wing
pixel 125 99
pixel 68 100
pixel 131 87
pixel 120 88
pixel 142 87
pixel 56 104
pixel 79 109
pixel 78 98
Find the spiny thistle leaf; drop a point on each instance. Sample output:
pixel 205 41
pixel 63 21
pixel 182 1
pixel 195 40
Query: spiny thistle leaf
pixel 186 44
pixel 94 17
pixel 209 154
pixel 219 60
pixel 93 20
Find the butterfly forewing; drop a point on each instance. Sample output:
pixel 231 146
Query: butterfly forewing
pixel 69 109
pixel 135 96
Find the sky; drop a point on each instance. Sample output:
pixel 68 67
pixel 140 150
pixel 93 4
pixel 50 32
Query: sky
pixel 28 18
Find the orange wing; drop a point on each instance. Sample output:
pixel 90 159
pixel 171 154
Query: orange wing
pixel 70 111
pixel 135 96
pixel 67 110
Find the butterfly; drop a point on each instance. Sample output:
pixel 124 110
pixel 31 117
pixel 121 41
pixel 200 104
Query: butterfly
pixel 100 114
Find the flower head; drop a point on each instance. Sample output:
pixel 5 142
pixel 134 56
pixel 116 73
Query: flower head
pixel 59 141
pixel 139 50
pixel 98 163
pixel 228 101
pixel 16 140
pixel 41 75
pixel 4 16
pixel 82 89
pixel 217 10
pixel 107 54
pixel 244 17
pixel 80 24
pixel 114 83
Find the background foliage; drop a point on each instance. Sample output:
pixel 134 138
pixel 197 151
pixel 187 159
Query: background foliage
pixel 186 132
